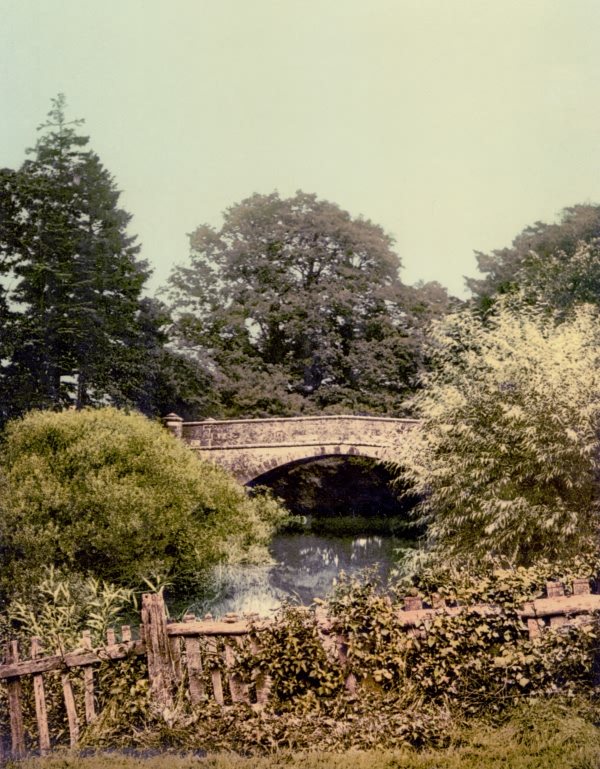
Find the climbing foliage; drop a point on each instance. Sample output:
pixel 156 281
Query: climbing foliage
pixel 507 457
pixel 413 689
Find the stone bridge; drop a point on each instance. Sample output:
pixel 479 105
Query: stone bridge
pixel 251 447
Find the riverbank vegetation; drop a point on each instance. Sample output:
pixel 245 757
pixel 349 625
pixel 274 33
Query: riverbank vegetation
pixel 415 692
pixel 507 456
pixel 112 495
pixel 291 307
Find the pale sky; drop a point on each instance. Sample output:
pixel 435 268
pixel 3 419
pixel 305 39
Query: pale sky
pixel 451 123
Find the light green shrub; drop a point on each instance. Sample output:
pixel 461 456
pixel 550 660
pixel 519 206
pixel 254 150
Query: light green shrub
pixel 506 459
pixel 114 495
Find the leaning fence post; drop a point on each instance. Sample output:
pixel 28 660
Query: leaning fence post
pixel 69 699
pixel 154 618
pixel 14 704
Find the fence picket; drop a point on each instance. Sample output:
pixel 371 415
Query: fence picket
pixel 262 682
pixel 215 675
pixel 237 687
pixel 39 694
pixel 175 653
pixel 17 730
pixel 88 681
pixel 194 665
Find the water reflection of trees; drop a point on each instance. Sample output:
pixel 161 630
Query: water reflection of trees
pixel 306 567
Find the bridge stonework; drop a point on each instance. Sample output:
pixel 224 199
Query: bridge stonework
pixel 248 448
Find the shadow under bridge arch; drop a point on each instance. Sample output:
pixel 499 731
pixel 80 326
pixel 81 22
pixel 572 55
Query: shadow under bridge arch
pixel 249 448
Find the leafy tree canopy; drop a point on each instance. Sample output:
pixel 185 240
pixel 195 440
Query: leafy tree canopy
pixel 115 496
pixel 298 307
pixel 547 256
pixel 507 458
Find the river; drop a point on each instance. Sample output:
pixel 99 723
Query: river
pixel 306 567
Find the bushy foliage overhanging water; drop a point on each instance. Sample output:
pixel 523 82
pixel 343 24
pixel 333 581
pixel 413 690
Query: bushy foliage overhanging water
pixel 507 457
pixel 114 495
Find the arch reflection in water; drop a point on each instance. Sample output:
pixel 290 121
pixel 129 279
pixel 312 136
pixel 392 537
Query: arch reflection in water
pixel 306 568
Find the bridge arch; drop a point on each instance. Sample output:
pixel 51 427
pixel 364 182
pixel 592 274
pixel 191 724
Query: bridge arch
pixel 250 448
pixel 297 454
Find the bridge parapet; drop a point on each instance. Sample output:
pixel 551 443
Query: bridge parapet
pixel 297 431
pixel 251 447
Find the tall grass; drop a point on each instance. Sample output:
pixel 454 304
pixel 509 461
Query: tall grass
pixel 541 735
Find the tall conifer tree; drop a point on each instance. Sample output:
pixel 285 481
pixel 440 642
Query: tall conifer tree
pixel 80 331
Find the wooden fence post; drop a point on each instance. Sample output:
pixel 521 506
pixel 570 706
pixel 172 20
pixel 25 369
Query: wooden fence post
pixel 69 698
pixel 14 704
pixel 350 682
pixel 88 681
pixel 40 702
pixel 160 672
pixel 555 589
pixel 175 657
pixel 211 650
pixel 237 688
pixel 262 682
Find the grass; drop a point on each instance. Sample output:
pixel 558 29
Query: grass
pixel 537 739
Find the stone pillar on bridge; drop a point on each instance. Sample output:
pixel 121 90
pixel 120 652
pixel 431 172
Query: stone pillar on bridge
pixel 174 423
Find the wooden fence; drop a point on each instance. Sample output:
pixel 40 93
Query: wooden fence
pixel 200 645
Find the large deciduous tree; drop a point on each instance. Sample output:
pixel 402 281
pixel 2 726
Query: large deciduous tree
pixel 507 458
pixel 298 307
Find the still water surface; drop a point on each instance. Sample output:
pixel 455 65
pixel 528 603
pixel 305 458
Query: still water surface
pixel 306 566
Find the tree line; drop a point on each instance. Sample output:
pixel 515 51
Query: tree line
pixel 293 306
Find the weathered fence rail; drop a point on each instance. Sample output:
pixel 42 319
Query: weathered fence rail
pixel 193 648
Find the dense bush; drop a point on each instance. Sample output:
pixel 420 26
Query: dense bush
pixel 115 496
pixel 476 665
pixel 506 459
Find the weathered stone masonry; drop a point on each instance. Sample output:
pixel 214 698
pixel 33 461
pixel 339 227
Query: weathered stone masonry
pixel 250 447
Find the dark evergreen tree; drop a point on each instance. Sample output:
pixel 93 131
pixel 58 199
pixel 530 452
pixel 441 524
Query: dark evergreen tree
pixel 81 334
